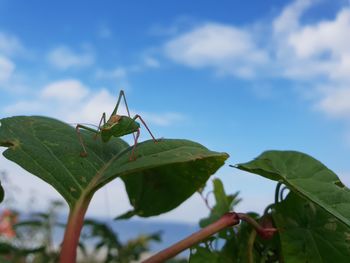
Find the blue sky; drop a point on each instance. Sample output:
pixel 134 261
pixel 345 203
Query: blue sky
pixel 239 77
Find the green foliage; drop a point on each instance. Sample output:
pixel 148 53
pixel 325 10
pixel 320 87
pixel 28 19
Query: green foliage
pixel 33 241
pixel 202 254
pixel 231 245
pixel 33 238
pixel 12 253
pixel 223 203
pixel 106 240
pixel 162 177
pixel 313 221
pixel 310 234
pixel 305 176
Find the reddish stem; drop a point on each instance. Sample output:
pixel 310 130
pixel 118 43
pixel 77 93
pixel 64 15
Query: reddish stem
pixel 263 232
pixel 227 220
pixel 71 236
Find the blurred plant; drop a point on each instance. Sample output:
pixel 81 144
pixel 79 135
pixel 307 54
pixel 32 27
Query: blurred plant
pixel 239 244
pixel 7 220
pixel 107 246
pixel 12 190
pixel 32 239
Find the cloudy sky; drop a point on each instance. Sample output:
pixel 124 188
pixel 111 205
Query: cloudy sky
pixel 240 77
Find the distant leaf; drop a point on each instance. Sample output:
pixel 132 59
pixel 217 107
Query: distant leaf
pixel 202 254
pixel 2 193
pixel 305 176
pixel 163 176
pixel 126 215
pixel 82 248
pixel 223 203
pixel 309 234
pixel 29 223
pixel 7 248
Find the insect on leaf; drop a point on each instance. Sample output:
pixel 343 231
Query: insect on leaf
pixel 163 175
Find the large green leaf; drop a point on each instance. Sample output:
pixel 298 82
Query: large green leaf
pixel 306 176
pixel 309 234
pixel 50 150
pixel 163 175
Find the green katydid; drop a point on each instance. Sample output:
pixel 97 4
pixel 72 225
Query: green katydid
pixel 115 126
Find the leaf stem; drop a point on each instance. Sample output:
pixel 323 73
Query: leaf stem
pixel 250 246
pixel 263 232
pixel 227 220
pixel 74 225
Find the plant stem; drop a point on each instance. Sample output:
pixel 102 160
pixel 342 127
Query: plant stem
pixel 263 232
pixel 227 220
pixel 71 236
pixel 250 246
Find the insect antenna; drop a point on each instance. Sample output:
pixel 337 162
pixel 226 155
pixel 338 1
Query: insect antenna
pixel 86 124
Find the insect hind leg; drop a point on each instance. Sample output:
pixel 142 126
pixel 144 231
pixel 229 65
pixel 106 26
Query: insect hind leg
pixel 144 124
pixel 132 156
pixel 81 141
pixel 103 118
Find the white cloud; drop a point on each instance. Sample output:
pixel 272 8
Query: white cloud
pixel 151 62
pixel 90 110
pixel 326 45
pixel 10 45
pixel 319 54
pixel 163 119
pixel 289 18
pixel 117 73
pixel 335 102
pixel 316 55
pixel 65 90
pixel 104 32
pixel 7 68
pixel 226 48
pixel 73 102
pixel 24 107
pixel 64 58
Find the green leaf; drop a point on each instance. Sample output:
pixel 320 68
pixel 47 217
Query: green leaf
pixel 201 254
pixel 7 248
pixel 305 176
pixel 309 234
pixel 29 223
pixel 163 175
pixel 50 150
pixel 223 203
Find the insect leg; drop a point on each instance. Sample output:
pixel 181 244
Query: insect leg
pixel 79 126
pixel 144 123
pixel 132 156
pixel 122 94
pixel 103 118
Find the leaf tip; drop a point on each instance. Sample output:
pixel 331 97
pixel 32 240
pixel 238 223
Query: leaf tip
pixel 126 215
